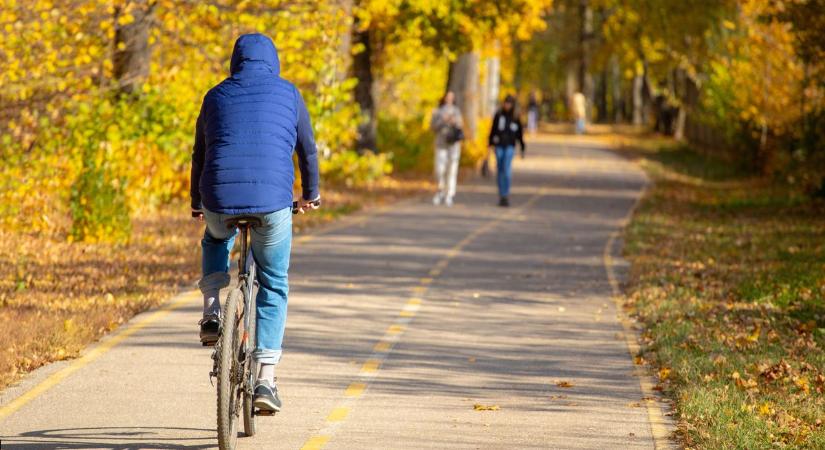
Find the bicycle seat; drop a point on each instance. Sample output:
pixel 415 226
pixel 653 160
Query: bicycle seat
pixel 238 221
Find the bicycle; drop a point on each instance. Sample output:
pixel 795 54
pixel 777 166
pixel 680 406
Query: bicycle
pixel 233 364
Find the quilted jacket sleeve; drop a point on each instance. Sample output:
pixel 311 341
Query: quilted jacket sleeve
pixel 307 152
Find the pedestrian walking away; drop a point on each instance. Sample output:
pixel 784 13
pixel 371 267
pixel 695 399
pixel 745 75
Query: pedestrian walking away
pixel 580 112
pixel 248 127
pixel 532 114
pixel 505 133
pixel 447 125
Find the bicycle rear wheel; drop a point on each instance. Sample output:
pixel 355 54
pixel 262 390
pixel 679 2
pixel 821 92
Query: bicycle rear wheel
pixel 230 383
pixel 249 427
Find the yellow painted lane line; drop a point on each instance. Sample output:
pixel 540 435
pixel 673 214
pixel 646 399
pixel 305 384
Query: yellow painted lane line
pixel 338 414
pixel 382 349
pixel 355 389
pixel 371 366
pixel 659 428
pixel 315 443
pixel 96 352
pixel 396 329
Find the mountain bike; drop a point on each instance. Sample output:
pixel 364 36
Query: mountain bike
pixel 233 364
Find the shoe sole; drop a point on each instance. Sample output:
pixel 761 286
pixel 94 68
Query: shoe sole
pixel 266 405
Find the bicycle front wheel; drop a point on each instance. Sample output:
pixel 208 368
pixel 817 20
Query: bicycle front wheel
pixel 230 384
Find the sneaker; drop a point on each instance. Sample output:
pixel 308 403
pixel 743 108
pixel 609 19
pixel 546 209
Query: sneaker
pixel 448 201
pixel 437 199
pixel 266 396
pixel 210 329
pixel 503 202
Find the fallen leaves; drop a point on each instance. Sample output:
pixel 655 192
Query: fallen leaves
pixel 728 284
pixel 480 407
pixel 775 372
pixel 743 383
pixel 564 384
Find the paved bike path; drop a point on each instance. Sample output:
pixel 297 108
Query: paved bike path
pixel 401 326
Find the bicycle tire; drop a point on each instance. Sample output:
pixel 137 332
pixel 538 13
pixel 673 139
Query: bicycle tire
pixel 227 366
pixel 249 426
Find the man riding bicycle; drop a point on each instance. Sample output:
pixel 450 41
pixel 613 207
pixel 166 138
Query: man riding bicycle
pixel 248 127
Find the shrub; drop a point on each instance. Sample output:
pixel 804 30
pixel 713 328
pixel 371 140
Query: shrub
pixel 409 142
pixel 353 169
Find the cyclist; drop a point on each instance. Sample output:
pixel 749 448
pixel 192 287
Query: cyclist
pixel 248 127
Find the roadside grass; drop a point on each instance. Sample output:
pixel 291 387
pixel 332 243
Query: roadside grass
pixel 728 279
pixel 57 297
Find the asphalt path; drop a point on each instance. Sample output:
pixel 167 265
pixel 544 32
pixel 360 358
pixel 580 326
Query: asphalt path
pixel 413 326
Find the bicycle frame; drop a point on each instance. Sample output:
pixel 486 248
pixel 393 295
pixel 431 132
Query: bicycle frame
pixel 246 282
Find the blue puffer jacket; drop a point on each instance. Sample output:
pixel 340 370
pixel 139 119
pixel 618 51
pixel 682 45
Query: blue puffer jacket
pixel 248 127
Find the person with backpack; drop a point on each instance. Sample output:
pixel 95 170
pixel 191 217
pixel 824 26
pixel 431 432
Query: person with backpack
pixel 505 133
pixel 447 125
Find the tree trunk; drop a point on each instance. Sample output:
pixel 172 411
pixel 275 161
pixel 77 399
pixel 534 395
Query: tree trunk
pixel 681 115
pixel 517 63
pixel 638 103
pixel 345 46
pixel 464 83
pixel 616 89
pixel 489 87
pixel 601 98
pixel 570 88
pixel 585 37
pixel 132 52
pixel 362 71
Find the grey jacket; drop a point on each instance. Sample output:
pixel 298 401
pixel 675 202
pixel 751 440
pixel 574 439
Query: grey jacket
pixel 440 123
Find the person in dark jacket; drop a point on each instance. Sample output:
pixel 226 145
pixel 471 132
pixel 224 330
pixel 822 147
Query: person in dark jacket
pixel 505 133
pixel 248 127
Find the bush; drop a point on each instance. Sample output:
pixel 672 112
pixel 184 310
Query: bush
pixel 98 205
pixel 356 170
pixel 409 142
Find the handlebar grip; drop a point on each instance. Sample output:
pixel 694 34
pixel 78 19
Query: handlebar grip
pixel 315 203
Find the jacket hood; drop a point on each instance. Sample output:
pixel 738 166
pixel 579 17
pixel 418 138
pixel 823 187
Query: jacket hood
pixel 254 50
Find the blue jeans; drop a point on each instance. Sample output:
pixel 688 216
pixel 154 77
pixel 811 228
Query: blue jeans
pixel 271 245
pixel 504 163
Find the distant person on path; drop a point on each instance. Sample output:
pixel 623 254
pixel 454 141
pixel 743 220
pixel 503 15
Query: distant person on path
pixel 580 112
pixel 505 132
pixel 447 125
pixel 248 127
pixel 532 114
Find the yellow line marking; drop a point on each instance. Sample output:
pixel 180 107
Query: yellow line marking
pixel 95 353
pixel 659 429
pixel 338 414
pixel 355 389
pixel 315 443
pixel 371 366
pixel 394 331
pixel 382 347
